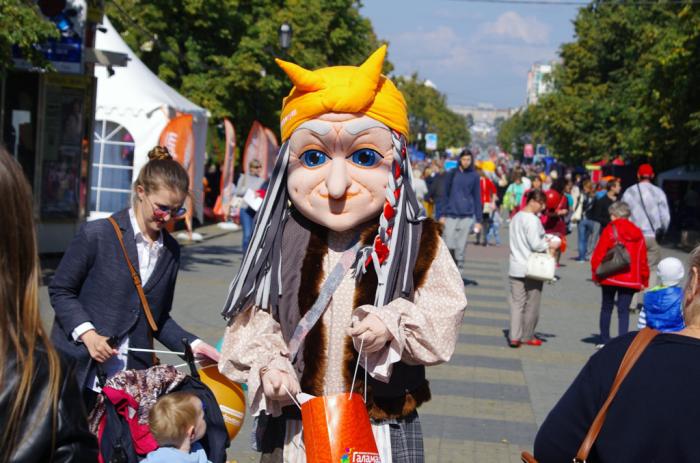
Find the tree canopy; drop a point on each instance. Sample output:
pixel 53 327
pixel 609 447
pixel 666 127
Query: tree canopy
pixel 428 112
pixel 629 84
pixel 22 25
pixel 220 54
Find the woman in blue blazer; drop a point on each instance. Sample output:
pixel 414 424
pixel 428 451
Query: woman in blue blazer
pixel 93 293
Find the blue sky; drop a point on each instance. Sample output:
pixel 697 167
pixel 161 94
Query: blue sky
pixel 473 52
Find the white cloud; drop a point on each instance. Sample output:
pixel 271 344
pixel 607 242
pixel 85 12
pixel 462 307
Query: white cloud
pixel 513 26
pixel 439 48
pixel 451 14
pixel 468 63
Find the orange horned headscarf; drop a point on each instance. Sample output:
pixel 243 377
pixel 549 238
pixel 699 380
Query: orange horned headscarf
pixel 342 89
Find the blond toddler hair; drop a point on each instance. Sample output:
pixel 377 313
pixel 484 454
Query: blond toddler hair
pixel 172 416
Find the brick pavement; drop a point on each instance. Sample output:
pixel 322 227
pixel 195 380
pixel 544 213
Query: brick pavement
pixel 489 400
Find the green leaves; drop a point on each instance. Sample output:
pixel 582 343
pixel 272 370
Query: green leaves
pixel 21 24
pixel 629 84
pixel 220 54
pixel 428 112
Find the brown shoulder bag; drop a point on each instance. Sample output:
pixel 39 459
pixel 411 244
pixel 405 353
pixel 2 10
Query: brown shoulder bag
pixel 137 283
pixel 634 351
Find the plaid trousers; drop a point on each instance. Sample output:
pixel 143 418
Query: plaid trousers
pixel 407 440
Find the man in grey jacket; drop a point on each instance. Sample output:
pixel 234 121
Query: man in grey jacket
pixel 650 213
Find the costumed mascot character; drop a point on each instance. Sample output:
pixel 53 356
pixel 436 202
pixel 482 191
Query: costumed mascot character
pixel 340 233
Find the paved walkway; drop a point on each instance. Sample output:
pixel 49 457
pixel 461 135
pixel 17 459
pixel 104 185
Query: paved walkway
pixel 489 400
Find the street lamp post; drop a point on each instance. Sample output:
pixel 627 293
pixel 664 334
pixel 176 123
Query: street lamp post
pixel 285 36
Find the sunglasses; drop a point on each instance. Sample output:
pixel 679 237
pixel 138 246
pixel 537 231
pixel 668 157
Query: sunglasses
pixel 161 212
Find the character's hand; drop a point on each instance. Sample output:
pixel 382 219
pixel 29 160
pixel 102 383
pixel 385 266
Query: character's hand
pixel 205 353
pixel 374 332
pixel 442 220
pixel 98 346
pixel 477 228
pixel 275 381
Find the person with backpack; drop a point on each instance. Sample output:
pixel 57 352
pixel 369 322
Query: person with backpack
pixel 463 211
pixel 619 286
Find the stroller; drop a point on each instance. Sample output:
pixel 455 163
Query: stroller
pixel 120 416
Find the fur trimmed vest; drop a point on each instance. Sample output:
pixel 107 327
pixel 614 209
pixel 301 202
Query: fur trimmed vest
pixel 303 275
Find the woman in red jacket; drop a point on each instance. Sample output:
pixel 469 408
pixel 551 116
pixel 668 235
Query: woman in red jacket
pixel 624 284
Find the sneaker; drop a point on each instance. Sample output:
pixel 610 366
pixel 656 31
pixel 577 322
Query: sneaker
pixel 534 342
pixel 514 344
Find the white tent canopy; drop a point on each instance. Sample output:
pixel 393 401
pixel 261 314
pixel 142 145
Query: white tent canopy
pixel 133 107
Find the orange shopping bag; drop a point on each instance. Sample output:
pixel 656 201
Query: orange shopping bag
pixel 337 430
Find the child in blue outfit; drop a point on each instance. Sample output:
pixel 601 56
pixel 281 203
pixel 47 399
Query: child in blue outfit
pixel 663 305
pixel 177 423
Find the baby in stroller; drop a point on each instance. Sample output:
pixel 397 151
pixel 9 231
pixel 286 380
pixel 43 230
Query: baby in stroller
pixel 121 416
pixel 177 423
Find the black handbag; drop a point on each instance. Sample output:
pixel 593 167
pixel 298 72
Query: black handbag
pixel 616 260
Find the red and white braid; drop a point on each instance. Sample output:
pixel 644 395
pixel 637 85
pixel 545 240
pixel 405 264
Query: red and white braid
pixel 380 253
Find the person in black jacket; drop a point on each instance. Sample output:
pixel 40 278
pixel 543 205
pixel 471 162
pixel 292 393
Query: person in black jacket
pixel 437 192
pixel 655 413
pixel 93 292
pixel 41 413
pixel 599 211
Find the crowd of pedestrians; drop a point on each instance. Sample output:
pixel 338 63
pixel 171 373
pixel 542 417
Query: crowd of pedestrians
pixel 475 197
pixel 543 206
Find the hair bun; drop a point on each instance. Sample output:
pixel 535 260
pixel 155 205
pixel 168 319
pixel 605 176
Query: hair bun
pixel 159 153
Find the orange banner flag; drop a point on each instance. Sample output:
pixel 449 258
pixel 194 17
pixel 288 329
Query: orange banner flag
pixel 178 137
pixel 223 202
pixel 261 145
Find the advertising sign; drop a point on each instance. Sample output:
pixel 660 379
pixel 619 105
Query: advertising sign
pixel 65 144
pixel 431 141
pixel 66 51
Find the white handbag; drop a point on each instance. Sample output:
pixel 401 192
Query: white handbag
pixel 541 266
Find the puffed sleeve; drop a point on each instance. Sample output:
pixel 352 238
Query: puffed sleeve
pixel 253 341
pixel 424 332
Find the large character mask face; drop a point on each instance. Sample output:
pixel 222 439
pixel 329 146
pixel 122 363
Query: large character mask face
pixel 339 168
pixel 343 163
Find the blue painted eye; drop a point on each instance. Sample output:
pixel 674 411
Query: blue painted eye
pixel 313 158
pixel 366 157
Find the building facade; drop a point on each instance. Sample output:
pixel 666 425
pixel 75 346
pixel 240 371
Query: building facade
pixel 539 81
pixel 46 119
